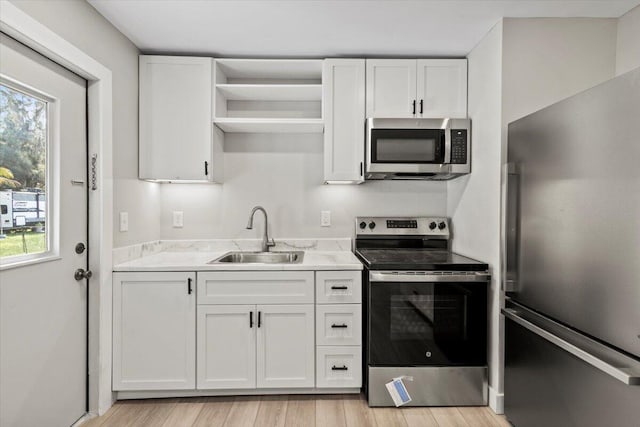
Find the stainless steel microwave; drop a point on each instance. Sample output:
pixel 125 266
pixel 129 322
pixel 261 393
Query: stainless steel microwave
pixel 425 149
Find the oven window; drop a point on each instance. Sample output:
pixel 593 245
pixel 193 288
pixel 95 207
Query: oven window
pixel 425 324
pixel 407 146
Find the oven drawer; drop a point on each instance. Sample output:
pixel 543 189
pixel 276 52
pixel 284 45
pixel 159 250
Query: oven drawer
pixel 339 324
pixel 336 287
pixel 338 367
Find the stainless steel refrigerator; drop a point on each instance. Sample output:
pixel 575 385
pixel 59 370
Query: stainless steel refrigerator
pixel 572 249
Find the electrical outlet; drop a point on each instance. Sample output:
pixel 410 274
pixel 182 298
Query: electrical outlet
pixel 325 218
pixel 178 219
pixel 124 221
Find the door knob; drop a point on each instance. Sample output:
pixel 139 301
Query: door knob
pixel 82 274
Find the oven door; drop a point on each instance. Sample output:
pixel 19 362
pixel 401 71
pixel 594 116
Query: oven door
pixel 427 320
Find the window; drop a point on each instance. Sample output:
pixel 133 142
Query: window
pixel 24 139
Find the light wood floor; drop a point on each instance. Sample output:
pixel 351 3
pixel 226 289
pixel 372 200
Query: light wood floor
pixel 274 411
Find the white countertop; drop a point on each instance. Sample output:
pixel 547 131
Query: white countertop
pixel 198 260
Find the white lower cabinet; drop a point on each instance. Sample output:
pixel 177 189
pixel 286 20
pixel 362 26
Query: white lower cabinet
pixel 338 329
pixel 339 324
pixel 247 330
pixel 267 342
pixel 226 346
pixel 339 366
pixel 154 331
pixel 286 346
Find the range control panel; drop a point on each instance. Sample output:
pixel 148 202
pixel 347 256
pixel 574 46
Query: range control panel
pixel 398 226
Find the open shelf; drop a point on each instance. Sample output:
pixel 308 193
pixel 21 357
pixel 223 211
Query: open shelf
pixel 268 95
pixel 276 69
pixel 270 92
pixel 269 125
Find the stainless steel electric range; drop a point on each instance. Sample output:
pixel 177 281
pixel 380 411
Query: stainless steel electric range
pixel 425 313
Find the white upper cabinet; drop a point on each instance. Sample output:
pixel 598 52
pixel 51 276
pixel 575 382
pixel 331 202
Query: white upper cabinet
pixel 417 88
pixel 344 108
pixel 391 87
pixel 442 88
pixel 177 138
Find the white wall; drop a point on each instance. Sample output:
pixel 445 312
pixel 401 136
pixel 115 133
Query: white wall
pixel 474 201
pixel 521 66
pixel 80 24
pixel 284 173
pixel 628 42
pixel 548 59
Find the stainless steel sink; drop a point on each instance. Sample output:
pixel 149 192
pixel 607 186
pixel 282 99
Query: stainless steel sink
pixel 294 257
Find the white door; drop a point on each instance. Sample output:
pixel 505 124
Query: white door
pixel 442 88
pixel 226 346
pixel 43 309
pixel 154 331
pixel 286 346
pixel 391 88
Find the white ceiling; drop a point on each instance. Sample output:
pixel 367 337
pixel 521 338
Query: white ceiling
pixel 311 28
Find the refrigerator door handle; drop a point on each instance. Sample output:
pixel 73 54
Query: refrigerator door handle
pixel 629 374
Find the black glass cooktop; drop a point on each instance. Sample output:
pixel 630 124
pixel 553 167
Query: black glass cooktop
pixel 418 259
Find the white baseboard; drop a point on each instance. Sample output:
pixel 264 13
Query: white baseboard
pixel 496 401
pixel 157 394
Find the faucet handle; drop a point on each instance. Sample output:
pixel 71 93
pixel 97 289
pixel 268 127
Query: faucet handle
pixel 271 243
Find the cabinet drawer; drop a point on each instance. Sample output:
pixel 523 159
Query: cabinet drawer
pixel 255 287
pixel 338 367
pixel 334 287
pixel 339 324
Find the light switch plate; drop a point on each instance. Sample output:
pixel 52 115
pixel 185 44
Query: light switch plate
pixel 124 221
pixel 178 219
pixel 325 218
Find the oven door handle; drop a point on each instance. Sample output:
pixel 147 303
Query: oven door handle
pixel 395 276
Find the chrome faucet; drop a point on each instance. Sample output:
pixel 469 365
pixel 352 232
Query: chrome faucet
pixel 266 242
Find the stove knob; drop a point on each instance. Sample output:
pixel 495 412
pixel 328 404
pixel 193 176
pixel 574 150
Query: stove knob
pixel 442 225
pixel 372 225
pixel 363 225
pixel 432 226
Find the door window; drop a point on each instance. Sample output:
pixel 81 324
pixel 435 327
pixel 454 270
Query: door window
pixel 24 173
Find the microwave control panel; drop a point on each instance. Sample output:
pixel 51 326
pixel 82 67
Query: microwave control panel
pixel 458 146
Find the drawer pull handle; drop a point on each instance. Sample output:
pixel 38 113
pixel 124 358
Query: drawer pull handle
pixel 342 288
pixel 251 319
pixel 339 368
pixel 339 326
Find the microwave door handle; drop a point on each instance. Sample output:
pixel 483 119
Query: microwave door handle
pixel 447 143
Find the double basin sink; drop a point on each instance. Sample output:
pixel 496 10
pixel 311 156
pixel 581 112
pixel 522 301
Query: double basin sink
pixel 292 257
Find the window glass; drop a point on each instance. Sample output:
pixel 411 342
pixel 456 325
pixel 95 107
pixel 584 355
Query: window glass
pixel 23 173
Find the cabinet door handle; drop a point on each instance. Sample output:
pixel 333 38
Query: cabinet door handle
pixel 259 318
pixel 251 319
pixel 206 168
pixel 361 171
pixel 414 106
pixel 421 105
pixel 339 326
pixel 339 287
pixel 189 288
pixel 339 368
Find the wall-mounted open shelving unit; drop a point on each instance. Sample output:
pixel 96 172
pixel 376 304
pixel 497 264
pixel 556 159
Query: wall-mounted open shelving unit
pixel 262 95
